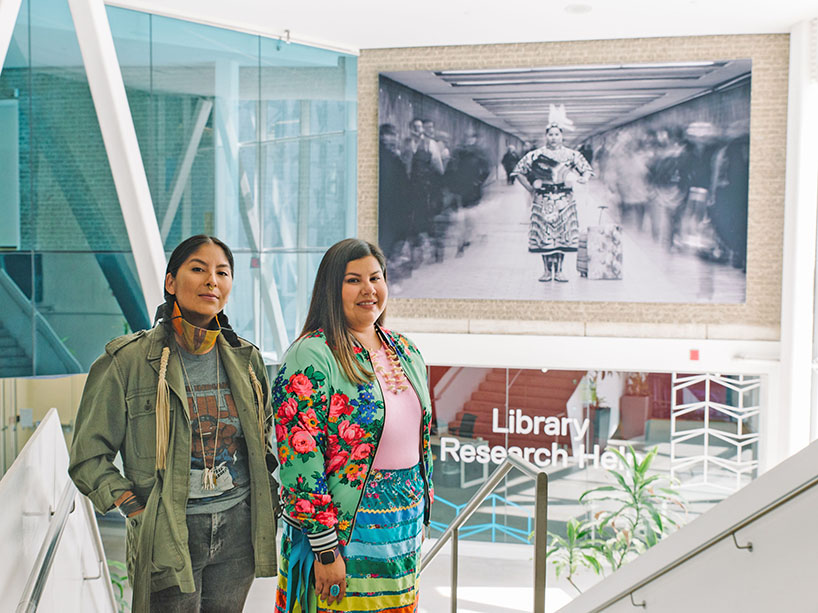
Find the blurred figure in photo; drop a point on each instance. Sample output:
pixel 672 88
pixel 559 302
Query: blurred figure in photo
pixel 465 175
pixel 393 191
pixel 509 161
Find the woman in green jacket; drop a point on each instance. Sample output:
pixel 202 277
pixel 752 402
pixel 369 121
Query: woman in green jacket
pixel 353 417
pixel 186 405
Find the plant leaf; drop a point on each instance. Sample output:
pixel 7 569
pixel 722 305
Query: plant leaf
pixel 594 563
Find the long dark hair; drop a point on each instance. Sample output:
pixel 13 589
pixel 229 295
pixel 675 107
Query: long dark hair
pixel 183 251
pixel 327 308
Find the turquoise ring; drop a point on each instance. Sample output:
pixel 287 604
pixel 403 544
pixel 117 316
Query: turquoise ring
pixel 335 589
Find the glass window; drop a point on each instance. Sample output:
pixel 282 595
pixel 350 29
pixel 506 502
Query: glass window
pixel 246 138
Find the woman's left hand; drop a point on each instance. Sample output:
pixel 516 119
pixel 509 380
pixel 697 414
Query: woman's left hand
pixel 327 575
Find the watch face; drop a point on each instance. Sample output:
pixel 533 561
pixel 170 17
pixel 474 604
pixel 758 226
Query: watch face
pixel 326 557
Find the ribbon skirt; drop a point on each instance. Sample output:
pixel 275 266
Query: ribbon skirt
pixel 382 557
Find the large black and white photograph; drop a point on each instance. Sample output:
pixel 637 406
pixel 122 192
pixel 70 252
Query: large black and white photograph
pixel 614 183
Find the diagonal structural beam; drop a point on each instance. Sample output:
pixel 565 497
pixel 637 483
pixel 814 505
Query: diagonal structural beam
pixel 118 133
pixel 9 9
pixel 203 109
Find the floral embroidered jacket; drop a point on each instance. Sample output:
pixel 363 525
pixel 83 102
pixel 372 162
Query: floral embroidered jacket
pixel 328 430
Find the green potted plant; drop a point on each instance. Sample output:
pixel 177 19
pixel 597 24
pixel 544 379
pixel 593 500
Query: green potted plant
pixel 634 406
pixel 577 548
pixel 119 582
pixel 635 512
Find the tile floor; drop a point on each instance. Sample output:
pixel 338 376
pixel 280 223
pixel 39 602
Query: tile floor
pixel 497 264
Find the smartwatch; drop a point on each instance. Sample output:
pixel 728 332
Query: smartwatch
pixel 327 556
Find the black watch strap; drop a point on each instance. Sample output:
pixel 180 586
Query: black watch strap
pixel 327 557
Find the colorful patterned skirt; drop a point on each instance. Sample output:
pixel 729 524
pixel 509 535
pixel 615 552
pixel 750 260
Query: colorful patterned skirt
pixel 383 555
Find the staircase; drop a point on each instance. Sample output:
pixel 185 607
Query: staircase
pixel 13 360
pixel 532 391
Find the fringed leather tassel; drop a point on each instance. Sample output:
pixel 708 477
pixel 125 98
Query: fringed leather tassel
pixel 260 400
pixel 162 412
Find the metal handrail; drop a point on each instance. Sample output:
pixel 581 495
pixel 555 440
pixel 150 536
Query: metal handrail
pixel 104 572
pixel 540 525
pixel 35 585
pixel 731 531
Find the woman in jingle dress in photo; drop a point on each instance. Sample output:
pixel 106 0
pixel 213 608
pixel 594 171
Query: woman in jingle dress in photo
pixel 353 417
pixel 554 228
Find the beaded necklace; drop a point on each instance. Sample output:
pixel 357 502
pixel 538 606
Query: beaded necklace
pixel 208 476
pixel 394 378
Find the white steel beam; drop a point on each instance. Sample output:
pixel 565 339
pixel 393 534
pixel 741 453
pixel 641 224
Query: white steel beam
pixel 118 133
pixel 203 109
pixel 794 412
pixel 9 9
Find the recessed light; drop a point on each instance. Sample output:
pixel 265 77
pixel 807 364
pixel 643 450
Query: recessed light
pixel 578 8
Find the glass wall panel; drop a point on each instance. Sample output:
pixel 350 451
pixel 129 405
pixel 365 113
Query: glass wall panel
pixel 73 201
pixel 80 295
pixel 309 133
pixel 247 138
pixel 16 264
pixel 293 274
pixel 281 192
pixel 69 285
pixel 703 429
pixel 250 139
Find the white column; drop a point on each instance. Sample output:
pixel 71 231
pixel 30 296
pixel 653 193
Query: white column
pixel 794 413
pixel 9 9
pixel 118 134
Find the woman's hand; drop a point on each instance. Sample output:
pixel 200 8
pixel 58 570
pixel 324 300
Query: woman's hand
pixel 327 575
pixel 524 182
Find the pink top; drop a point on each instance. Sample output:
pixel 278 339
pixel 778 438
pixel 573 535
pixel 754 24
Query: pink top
pixel 400 440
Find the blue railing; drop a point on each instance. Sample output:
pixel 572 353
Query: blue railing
pixel 493 526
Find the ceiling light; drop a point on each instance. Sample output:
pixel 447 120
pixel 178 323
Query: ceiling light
pixel 578 9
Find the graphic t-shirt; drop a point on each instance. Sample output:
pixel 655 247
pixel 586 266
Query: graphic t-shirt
pixel 214 419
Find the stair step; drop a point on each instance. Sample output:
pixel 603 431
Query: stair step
pixel 499 395
pixel 534 392
pixel 539 407
pixel 533 377
pixel 7 342
pixel 17 371
pixel 485 419
pixel 11 361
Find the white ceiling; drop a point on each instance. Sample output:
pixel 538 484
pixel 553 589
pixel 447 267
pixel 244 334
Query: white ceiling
pixel 369 24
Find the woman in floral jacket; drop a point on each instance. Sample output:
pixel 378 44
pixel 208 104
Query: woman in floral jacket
pixel 353 417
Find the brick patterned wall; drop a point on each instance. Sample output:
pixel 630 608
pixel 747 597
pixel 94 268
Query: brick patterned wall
pixel 758 318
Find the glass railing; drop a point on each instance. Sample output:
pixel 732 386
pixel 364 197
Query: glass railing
pixel 53 558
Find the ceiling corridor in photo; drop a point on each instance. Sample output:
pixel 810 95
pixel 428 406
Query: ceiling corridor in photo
pixel 597 98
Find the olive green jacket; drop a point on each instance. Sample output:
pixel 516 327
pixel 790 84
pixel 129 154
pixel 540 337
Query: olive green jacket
pixel 117 414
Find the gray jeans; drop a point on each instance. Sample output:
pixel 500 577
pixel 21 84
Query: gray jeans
pixel 221 551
